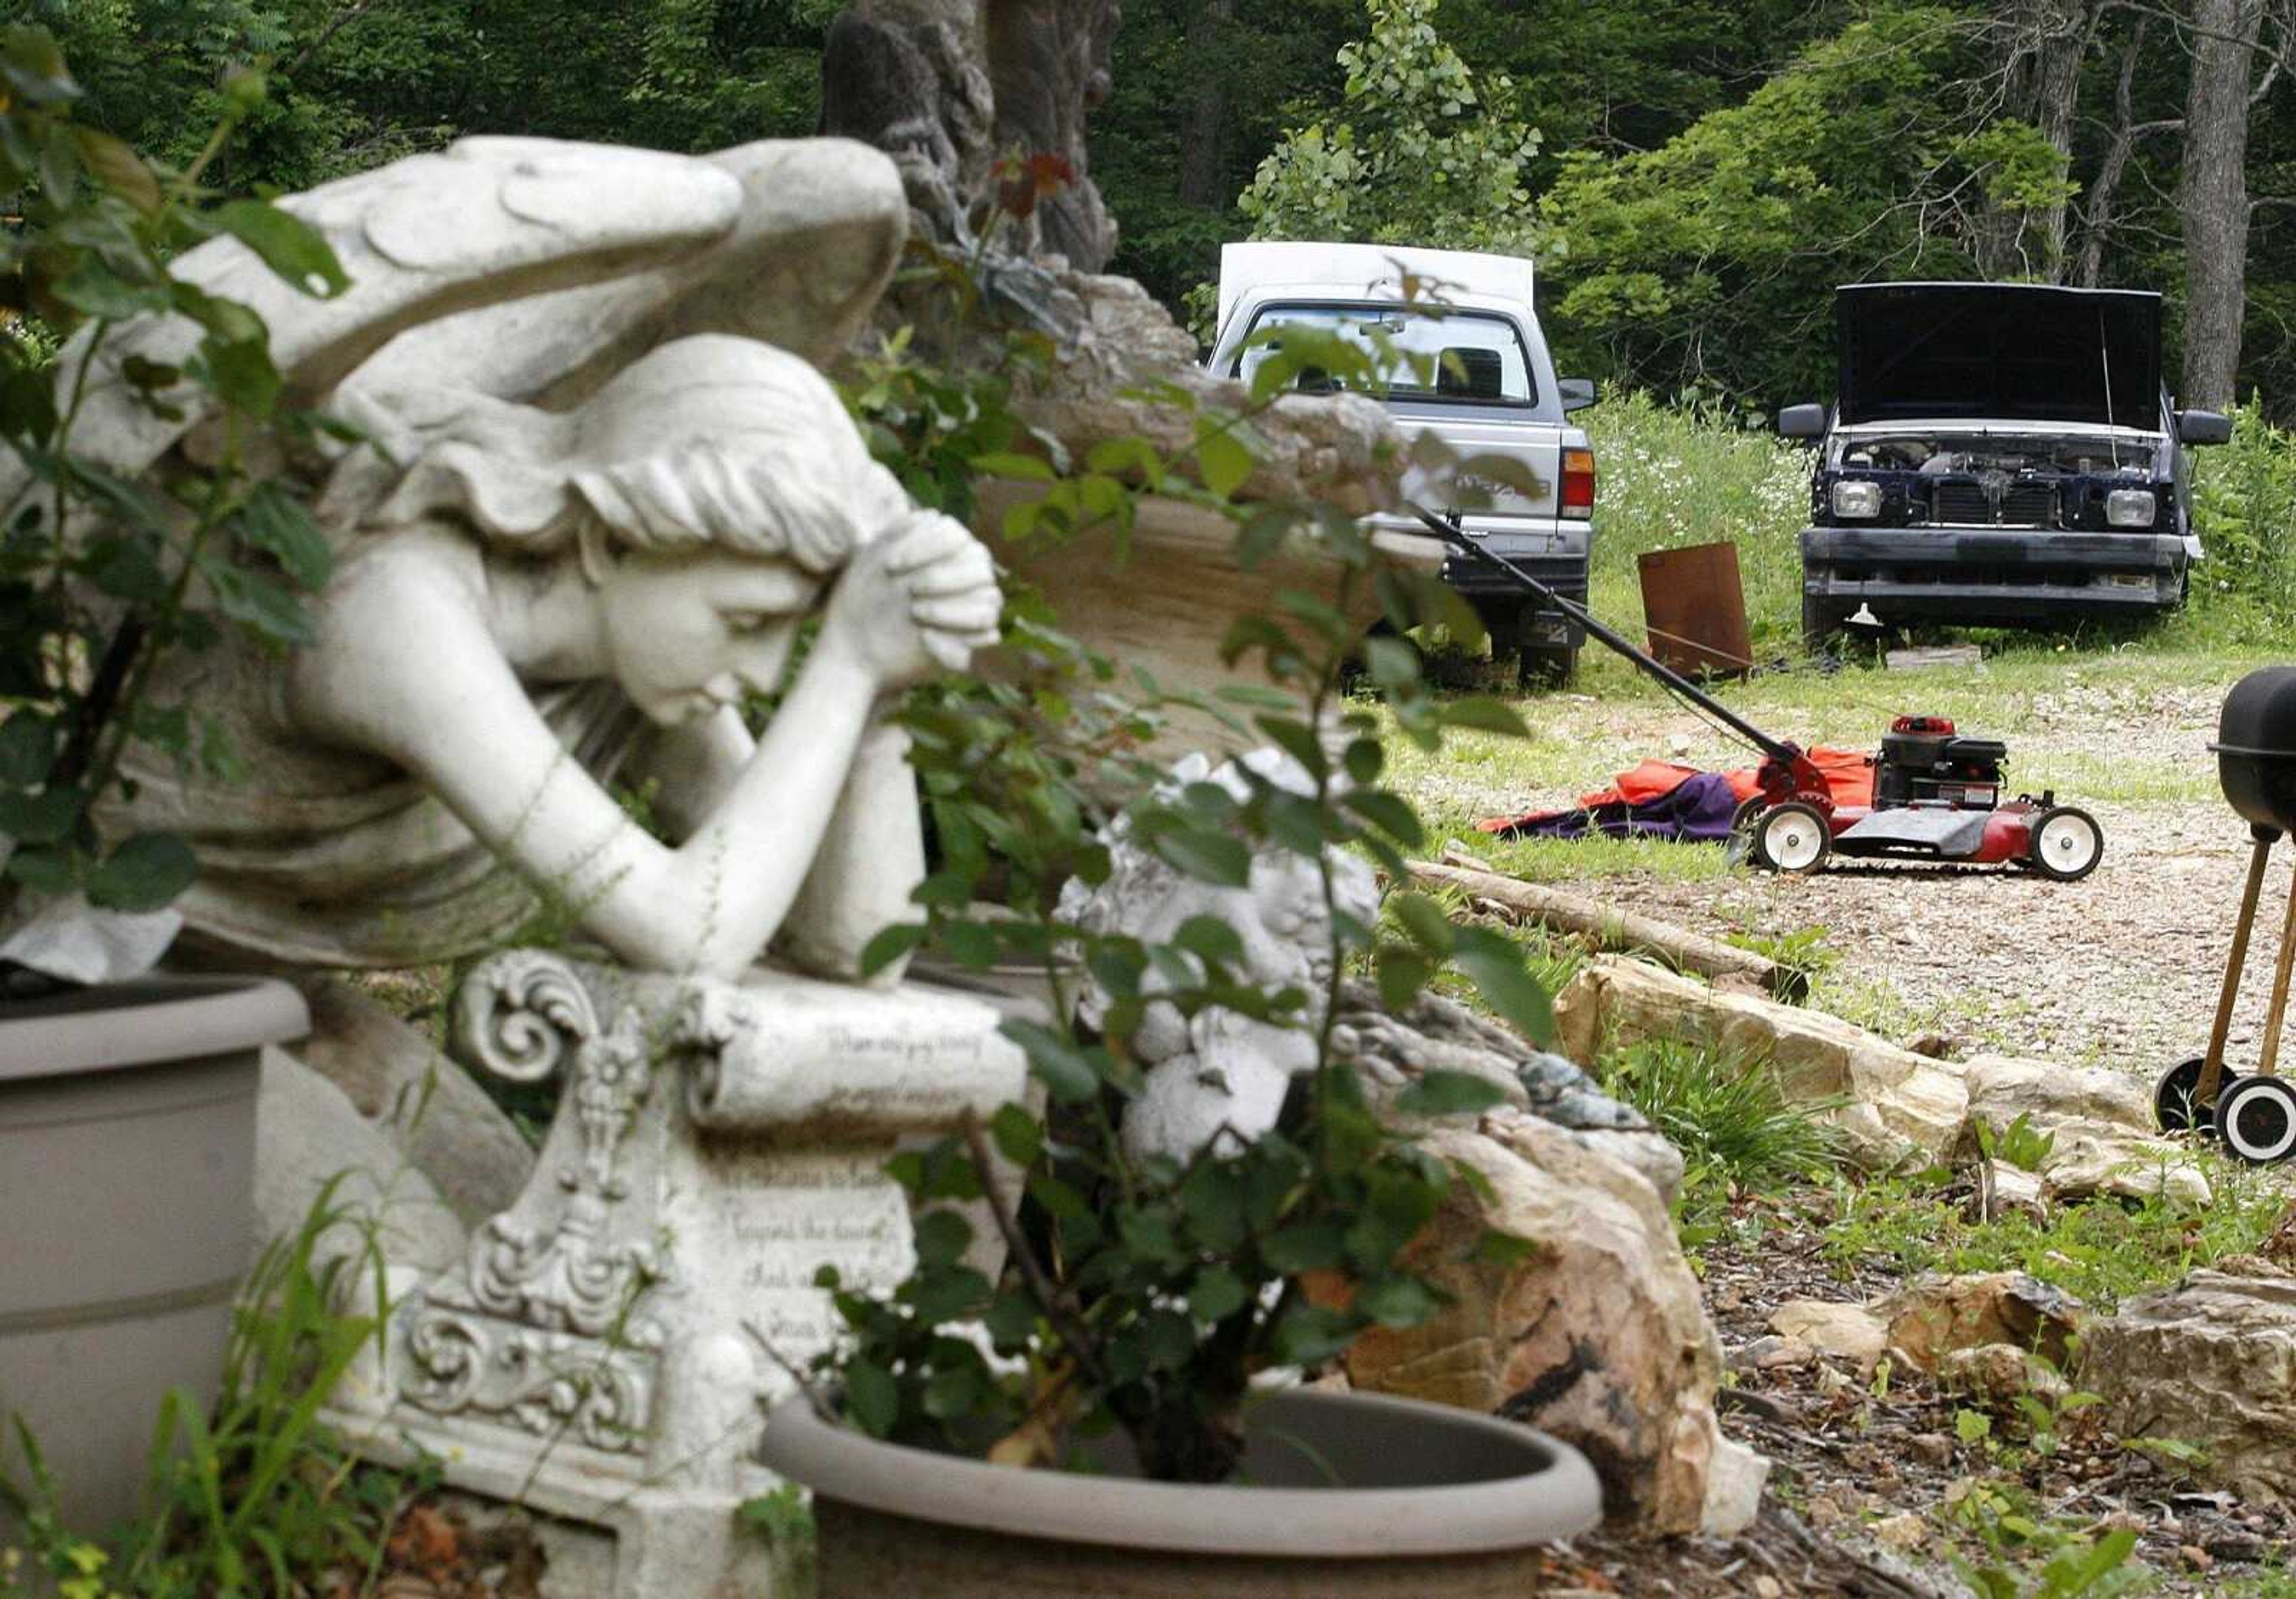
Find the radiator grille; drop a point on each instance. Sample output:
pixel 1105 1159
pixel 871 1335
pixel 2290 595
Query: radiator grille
pixel 2022 505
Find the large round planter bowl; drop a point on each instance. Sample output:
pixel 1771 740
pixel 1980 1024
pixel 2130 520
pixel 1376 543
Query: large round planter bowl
pixel 126 1215
pixel 1342 1496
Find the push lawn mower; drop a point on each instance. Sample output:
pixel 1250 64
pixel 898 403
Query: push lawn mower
pixel 1937 795
pixel 2256 764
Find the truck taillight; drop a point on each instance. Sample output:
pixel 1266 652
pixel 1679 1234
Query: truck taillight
pixel 1578 483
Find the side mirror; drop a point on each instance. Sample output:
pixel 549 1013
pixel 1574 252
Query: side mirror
pixel 1576 393
pixel 1802 422
pixel 2203 427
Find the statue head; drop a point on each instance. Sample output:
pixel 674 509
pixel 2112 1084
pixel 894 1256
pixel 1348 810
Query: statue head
pixel 707 494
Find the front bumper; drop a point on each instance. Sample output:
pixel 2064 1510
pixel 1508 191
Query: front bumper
pixel 1993 576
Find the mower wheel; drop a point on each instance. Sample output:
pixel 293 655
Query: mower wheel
pixel 1743 816
pixel 2065 843
pixel 2176 1109
pixel 2256 1118
pixel 1792 837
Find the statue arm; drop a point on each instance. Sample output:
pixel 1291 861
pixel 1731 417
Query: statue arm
pixel 456 716
pixel 872 855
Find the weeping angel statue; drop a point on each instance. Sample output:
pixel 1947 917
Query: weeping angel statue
pixel 602 486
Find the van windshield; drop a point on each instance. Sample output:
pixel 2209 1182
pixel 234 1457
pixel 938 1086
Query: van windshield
pixel 1467 357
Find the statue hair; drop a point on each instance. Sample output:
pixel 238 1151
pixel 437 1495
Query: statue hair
pixel 706 443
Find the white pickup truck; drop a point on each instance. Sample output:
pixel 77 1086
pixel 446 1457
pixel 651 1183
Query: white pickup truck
pixel 1494 392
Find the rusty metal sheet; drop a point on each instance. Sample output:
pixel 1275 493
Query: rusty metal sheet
pixel 1695 609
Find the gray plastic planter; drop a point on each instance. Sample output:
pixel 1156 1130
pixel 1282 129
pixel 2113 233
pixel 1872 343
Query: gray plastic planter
pixel 1352 1496
pixel 126 1213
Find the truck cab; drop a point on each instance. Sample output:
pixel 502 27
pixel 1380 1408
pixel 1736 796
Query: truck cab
pixel 1489 390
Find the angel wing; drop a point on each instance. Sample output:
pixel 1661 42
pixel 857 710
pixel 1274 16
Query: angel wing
pixel 530 269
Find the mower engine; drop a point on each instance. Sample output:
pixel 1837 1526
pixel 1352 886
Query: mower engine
pixel 1924 762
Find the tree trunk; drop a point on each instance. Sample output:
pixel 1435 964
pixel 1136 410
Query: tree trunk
pixel 2212 194
pixel 1205 117
pixel 2105 191
pixel 2046 91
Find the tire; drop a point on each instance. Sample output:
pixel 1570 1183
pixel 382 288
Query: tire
pixel 1793 837
pixel 1743 818
pixel 2256 1119
pixel 1546 668
pixel 1821 619
pixel 2174 1108
pixel 2065 843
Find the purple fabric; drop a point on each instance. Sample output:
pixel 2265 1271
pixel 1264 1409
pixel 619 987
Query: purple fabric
pixel 1697 811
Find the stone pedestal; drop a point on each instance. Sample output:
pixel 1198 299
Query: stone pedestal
pixel 606 1351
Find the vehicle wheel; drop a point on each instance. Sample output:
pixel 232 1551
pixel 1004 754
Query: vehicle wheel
pixel 1792 837
pixel 1748 809
pixel 1821 619
pixel 2065 843
pixel 2174 1108
pixel 1546 668
pixel 2256 1118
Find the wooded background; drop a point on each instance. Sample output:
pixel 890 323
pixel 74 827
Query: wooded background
pixel 1694 174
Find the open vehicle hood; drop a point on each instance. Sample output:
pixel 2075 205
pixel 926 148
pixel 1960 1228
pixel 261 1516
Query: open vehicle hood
pixel 2005 352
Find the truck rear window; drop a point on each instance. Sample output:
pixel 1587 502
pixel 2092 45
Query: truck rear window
pixel 1463 357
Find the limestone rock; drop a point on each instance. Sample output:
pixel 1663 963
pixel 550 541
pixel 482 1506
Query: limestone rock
pixel 1933 1316
pixel 1897 1106
pixel 2212 1362
pixel 1849 1331
pixel 1996 1375
pixel 2102 1123
pixel 2015 1191
pixel 2002 1088
pixel 1598 1336
pixel 1734 1488
pixel 308 1132
pixel 427 1105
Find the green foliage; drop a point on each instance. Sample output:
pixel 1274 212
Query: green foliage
pixel 1145 1293
pixel 2019 1144
pixel 1735 1127
pixel 99 575
pixel 2029 1555
pixel 1687 265
pixel 2102 1251
pixel 255 1494
pixel 1802 951
pixel 1421 150
pixel 2244 510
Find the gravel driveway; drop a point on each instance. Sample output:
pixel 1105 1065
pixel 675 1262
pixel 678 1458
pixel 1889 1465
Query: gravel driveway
pixel 2121 969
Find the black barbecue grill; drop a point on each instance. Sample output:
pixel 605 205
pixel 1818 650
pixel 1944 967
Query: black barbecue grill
pixel 2255 1115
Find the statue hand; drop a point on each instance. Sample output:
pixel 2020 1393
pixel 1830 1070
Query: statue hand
pixel 918 601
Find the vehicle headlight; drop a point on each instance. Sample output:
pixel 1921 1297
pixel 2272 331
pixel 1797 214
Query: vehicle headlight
pixel 2130 508
pixel 1854 497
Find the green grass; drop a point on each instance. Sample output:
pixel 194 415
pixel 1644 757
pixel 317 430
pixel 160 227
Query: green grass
pixel 2103 1250
pixel 1735 1127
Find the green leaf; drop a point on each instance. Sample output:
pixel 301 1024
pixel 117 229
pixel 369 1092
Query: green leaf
pixel 1310 1246
pixel 1019 1136
pixel 41 819
pixel 942 1237
pixel 1449 1094
pixel 1057 1063
pixel 1391 813
pixel 1401 974
pixel 1010 1320
pixel 42 870
pixel 93 289
pixel 1217 1294
pixel 955 1392
pixel 1210 938
pixel 1224 460
pixel 1495 966
pixel 1425 922
pixel 28 748
pixel 1398 1300
pixel 271 612
pixel 1309 1335
pixel 115 164
pixel 294 249
pixel 1012 464
pixel 1213 858
pixel 240 372
pixel 889 945
pixel 275 520
pixel 144 873
pixel 873 1398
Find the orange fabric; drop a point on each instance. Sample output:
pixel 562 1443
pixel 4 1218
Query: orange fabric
pixel 1848 778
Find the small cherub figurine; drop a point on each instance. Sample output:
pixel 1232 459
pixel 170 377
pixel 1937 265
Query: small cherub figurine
pixel 573 544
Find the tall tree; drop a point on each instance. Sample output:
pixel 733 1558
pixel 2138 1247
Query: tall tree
pixel 2213 195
